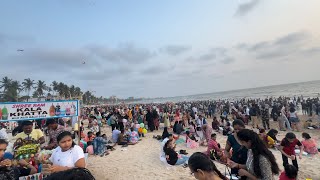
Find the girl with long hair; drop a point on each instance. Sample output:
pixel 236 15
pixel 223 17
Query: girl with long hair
pixel 203 168
pixel 261 163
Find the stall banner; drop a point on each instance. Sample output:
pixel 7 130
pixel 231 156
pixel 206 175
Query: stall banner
pixel 13 111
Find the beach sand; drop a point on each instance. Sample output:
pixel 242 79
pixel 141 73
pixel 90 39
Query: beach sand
pixel 141 161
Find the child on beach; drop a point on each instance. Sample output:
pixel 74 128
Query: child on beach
pixel 90 137
pixel 89 148
pixel 134 136
pixel 287 148
pixel 214 149
pixel 272 138
pixel 191 141
pixel 190 136
pixel 290 173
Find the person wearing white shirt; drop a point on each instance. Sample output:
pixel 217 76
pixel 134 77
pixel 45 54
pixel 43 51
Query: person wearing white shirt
pixel 67 155
pixel 164 141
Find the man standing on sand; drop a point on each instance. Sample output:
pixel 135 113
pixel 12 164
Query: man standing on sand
pixel 254 116
pixel 265 117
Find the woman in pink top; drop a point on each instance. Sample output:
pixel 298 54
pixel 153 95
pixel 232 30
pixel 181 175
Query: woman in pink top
pixel 309 144
pixel 213 145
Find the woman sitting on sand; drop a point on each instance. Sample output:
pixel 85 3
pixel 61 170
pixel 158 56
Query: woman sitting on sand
pixel 165 133
pixel 122 139
pixel 172 157
pixel 99 145
pixel 272 140
pixel 261 163
pixel 134 136
pixel 214 149
pixel 203 168
pixel 67 155
pixel 309 144
pixel 239 154
pixel 191 141
pixel 215 123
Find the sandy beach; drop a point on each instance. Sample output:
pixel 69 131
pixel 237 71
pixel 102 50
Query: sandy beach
pixel 141 161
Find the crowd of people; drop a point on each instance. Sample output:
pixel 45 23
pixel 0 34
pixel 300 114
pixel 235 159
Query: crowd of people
pixel 229 118
pixel 247 151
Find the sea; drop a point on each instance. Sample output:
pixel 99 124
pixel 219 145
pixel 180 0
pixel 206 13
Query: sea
pixel 305 89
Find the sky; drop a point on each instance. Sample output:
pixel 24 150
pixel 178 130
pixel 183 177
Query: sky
pixel 161 48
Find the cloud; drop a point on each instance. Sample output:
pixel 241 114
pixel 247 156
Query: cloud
pixel 312 51
pixel 207 57
pixel 126 52
pixel 241 46
pixel 219 50
pixel 293 38
pixel 54 59
pixel 287 45
pixel 157 69
pixel 9 41
pixel 227 60
pixel 175 50
pixel 245 8
pixel 202 58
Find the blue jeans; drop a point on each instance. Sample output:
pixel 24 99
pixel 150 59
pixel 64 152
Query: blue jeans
pixel 184 159
pixel 286 122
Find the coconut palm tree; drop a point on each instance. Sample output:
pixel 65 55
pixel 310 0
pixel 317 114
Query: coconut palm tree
pixel 66 91
pixel 55 86
pixel 60 88
pixel 72 90
pixel 41 87
pixel 28 85
pixel 11 92
pixel 5 83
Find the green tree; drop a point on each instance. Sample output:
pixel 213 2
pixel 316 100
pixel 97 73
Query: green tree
pixel 28 85
pixel 41 88
pixel 5 83
pixel 11 92
pixel 55 86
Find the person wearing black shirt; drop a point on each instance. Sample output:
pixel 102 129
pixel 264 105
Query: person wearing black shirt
pixel 172 157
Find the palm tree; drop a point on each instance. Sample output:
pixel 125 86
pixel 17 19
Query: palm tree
pixel 28 84
pixel 5 83
pixel 60 88
pixel 55 86
pixel 66 91
pixel 12 91
pixel 41 87
pixel 72 90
